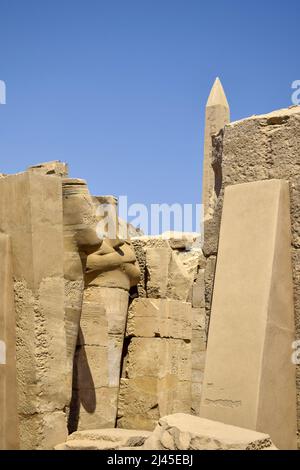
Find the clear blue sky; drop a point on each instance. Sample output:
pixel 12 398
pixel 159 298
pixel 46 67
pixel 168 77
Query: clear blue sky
pixel 118 87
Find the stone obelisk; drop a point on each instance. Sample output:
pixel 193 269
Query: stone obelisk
pixel 217 114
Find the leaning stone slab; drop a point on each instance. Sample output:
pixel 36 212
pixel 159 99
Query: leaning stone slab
pixel 249 378
pixel 185 432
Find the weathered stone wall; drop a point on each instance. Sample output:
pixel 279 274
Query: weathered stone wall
pixel 258 148
pixel 165 338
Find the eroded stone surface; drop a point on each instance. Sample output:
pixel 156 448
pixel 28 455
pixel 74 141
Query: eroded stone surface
pixel 104 439
pixel 31 213
pixel 185 432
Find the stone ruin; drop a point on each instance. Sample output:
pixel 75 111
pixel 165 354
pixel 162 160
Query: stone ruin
pixel 152 341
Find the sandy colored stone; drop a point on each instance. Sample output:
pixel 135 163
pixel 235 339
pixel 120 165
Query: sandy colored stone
pixel 80 239
pixel 97 361
pixel 249 376
pixel 9 425
pixel 198 294
pixel 209 285
pixel 159 317
pixel 50 168
pixel 158 357
pixel 104 439
pixel 185 432
pixel 157 264
pixel 217 114
pixel 43 431
pixel 93 408
pixel 110 272
pixel 115 303
pixel 31 214
pixel 180 240
pixel 170 273
pixel 198 356
pixel 180 281
pixel 168 269
pixel 157 381
pixel 141 260
pixel 258 148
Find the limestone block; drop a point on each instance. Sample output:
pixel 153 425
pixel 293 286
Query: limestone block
pixel 191 260
pixel 115 302
pixel 198 319
pixel 167 272
pixel 138 406
pixel 249 376
pixel 185 432
pixel 159 317
pixel 157 381
pixel 152 241
pixel 43 431
pixel 179 280
pixel 9 426
pixel 156 357
pixel 94 408
pixel 157 262
pixel 50 168
pixel 104 439
pixel 140 245
pixel 181 240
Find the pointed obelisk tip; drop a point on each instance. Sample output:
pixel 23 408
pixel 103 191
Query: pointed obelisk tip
pixel 217 95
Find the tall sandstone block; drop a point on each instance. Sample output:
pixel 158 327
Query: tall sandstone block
pixel 249 376
pixel 31 213
pixel 9 426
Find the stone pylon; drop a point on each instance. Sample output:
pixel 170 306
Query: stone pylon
pixel 217 114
